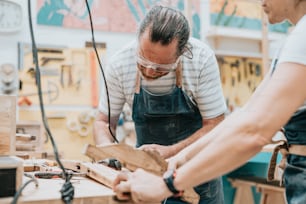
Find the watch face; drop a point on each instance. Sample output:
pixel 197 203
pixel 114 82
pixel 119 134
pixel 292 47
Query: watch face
pixel 10 16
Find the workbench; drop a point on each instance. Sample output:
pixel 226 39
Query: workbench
pixel 257 166
pixel 48 192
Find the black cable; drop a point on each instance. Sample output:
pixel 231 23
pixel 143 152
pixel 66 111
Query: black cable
pixel 100 65
pixel 67 190
pixel 18 193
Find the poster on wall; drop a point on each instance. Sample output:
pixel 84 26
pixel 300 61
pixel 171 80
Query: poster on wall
pixel 125 15
pixel 111 16
pixel 243 14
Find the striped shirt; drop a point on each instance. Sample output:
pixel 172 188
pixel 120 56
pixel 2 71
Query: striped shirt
pixel 200 80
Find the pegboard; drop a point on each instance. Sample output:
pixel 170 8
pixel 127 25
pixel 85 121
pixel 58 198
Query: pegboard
pixel 68 76
pixel 240 76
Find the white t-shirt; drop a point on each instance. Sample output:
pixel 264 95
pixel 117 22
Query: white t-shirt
pixel 294 49
pixel 201 80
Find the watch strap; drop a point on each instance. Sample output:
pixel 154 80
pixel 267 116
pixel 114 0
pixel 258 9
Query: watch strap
pixel 169 179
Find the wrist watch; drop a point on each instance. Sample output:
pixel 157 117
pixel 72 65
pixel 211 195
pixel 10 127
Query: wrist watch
pixel 169 177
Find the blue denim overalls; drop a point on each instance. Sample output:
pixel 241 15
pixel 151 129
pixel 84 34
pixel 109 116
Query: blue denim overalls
pixel 295 171
pixel 167 119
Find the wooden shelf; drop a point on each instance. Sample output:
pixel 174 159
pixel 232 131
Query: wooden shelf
pixel 238 54
pixel 247 34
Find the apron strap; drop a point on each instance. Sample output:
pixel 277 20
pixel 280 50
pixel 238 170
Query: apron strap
pixel 137 85
pixel 282 147
pixel 178 73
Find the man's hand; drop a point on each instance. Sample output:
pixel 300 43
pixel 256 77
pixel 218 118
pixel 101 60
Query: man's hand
pixel 164 151
pixel 176 161
pixel 139 186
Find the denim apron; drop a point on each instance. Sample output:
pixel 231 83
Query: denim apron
pixel 167 119
pixel 295 171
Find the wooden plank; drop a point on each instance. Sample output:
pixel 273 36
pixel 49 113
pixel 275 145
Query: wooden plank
pixel 271 196
pixel 38 165
pixel 34 131
pixel 132 159
pixel 243 192
pixel 99 172
pixel 30 155
pixel 24 137
pixel 73 165
pixel 7 125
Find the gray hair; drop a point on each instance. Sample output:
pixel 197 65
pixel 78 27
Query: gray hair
pixel 166 24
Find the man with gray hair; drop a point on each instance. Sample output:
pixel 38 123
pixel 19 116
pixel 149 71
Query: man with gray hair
pixel 172 84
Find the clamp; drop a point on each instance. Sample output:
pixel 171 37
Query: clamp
pixel 112 163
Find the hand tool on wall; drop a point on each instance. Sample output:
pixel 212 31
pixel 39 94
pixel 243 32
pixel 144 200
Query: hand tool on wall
pixel 258 70
pixel 234 71
pixel 235 64
pixel 45 71
pixel 52 92
pixel 245 68
pixel 133 159
pixel 221 62
pixel 46 60
pixel 24 101
pixel 66 70
pixel 251 68
pixel 251 77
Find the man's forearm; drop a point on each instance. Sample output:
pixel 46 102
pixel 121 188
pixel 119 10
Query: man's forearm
pixel 102 134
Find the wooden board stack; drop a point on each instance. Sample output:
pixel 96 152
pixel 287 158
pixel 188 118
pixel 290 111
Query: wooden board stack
pixel 7 125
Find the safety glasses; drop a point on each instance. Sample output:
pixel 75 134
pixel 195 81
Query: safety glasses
pixel 157 67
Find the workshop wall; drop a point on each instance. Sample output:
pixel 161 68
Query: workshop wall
pixel 67 61
pixel 75 101
pixel 70 134
pixel 240 77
